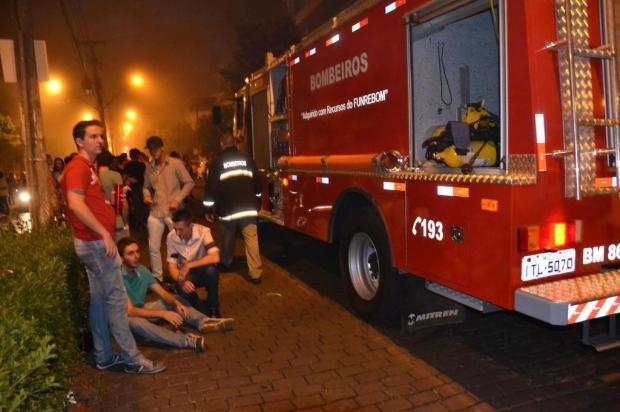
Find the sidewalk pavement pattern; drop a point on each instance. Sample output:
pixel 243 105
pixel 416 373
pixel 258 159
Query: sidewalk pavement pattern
pixel 291 349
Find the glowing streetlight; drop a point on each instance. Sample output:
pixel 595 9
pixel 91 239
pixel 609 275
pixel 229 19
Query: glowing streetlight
pixel 137 80
pixel 87 116
pixel 53 86
pixel 127 127
pixel 131 115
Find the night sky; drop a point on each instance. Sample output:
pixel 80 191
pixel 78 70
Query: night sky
pixel 179 46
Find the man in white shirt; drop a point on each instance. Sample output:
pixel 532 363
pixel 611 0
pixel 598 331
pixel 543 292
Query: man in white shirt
pixel 192 260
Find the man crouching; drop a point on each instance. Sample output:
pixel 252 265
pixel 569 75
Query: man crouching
pixel 144 316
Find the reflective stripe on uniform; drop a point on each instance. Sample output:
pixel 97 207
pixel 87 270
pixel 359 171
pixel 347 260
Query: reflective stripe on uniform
pixel 240 215
pixel 235 173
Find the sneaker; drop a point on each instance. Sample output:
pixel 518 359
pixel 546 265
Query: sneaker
pixel 145 367
pixel 217 325
pixel 114 360
pixel 195 342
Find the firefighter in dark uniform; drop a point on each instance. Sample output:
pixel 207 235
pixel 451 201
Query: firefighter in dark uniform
pixel 233 194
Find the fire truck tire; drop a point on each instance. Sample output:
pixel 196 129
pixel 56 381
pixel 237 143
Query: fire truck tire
pixel 370 280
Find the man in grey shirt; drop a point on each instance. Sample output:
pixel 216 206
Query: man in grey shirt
pixel 166 183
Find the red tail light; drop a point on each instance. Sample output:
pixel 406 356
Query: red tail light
pixel 550 236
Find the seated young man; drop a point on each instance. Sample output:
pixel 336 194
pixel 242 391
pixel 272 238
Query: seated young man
pixel 192 260
pixel 143 315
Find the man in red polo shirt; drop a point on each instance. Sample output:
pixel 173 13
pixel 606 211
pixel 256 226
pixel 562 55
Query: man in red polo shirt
pixel 93 220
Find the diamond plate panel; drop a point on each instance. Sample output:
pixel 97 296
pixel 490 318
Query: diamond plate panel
pixel 576 96
pixel 577 99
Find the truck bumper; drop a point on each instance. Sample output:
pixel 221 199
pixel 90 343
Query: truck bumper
pixel 574 300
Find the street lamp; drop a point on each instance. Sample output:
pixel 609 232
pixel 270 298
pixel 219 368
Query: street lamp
pixel 137 80
pixel 129 124
pixel 87 116
pixel 131 115
pixel 127 128
pixel 53 86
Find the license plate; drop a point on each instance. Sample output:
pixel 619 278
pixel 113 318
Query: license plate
pixel 547 264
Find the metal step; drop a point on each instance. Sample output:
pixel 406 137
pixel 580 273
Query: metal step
pixel 462 298
pixel 601 342
pixel 599 122
pixel 602 52
pixel 573 300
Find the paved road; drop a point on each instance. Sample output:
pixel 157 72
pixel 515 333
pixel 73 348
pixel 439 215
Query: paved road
pixel 505 360
pixel 297 347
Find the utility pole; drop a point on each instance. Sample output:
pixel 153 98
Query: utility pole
pixel 90 68
pixel 35 162
pixel 96 88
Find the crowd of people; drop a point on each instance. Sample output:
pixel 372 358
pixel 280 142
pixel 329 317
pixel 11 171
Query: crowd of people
pixel 95 187
pixel 124 169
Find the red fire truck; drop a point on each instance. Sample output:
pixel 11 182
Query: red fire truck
pixel 470 143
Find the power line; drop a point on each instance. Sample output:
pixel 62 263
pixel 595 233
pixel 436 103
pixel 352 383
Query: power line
pixel 76 41
pixel 92 77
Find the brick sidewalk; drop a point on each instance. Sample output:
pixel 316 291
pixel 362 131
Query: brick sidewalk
pixel 292 349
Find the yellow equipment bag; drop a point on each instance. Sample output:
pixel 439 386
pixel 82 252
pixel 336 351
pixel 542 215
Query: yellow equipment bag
pixel 472 142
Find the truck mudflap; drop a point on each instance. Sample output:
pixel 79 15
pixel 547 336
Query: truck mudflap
pixel 568 301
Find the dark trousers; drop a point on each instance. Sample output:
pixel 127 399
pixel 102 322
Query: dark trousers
pixel 207 277
pixel 137 209
pixel 4 205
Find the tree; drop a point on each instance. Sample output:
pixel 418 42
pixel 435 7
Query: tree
pixel 11 145
pixel 8 131
pixel 255 37
pixel 209 133
pixel 178 137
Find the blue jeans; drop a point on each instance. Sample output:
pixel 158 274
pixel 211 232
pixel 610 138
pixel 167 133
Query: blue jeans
pixel 207 277
pixel 147 328
pixel 156 227
pixel 108 302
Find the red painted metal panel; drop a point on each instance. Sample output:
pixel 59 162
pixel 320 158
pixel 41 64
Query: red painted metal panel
pixel 310 201
pixel 329 88
pixel 476 263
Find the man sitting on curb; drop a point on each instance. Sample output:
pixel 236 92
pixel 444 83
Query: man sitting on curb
pixel 142 315
pixel 192 259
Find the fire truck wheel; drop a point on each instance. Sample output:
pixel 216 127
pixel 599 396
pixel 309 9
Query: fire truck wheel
pixel 370 279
